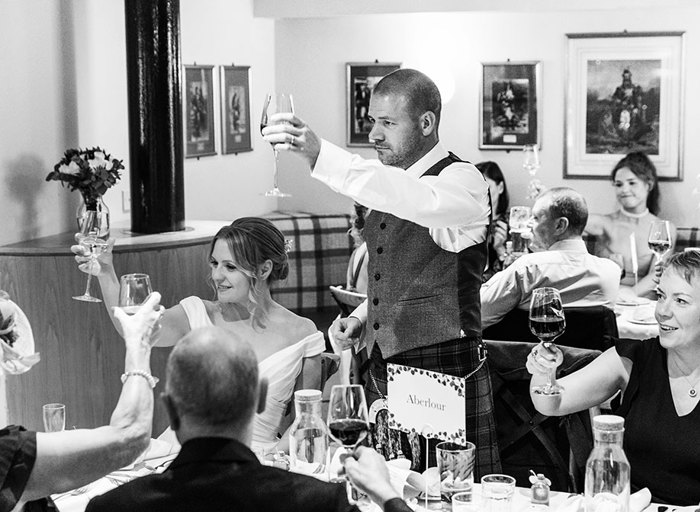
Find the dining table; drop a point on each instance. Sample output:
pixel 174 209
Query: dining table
pixel 160 454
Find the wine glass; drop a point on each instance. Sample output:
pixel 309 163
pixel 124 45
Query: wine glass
pixel 88 238
pixel 531 158
pixel 134 289
pixel 660 238
pixel 275 103
pixel 547 322
pixel 348 421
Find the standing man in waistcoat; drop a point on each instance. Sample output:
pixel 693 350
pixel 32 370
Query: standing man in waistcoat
pixel 426 238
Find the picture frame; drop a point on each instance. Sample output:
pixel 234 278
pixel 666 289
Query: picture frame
pixel 361 77
pixel 198 111
pixel 235 110
pixel 624 93
pixel 509 116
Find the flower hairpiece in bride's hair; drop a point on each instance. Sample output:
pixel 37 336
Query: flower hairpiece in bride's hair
pixel 288 244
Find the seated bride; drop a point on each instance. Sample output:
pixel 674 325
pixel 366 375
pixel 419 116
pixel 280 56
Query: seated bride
pixel 245 258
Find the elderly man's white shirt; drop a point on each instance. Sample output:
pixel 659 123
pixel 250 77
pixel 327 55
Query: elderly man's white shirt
pixel 452 205
pixel 581 278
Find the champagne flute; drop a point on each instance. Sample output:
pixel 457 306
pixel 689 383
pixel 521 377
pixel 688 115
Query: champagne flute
pixel 547 322
pixel 348 421
pixel 275 103
pixel 531 158
pixel 660 239
pixel 89 239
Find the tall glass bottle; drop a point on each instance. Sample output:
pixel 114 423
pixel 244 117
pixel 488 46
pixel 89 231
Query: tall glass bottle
pixel 607 486
pixel 308 437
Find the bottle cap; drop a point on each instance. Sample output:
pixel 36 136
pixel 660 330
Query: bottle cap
pixel 609 422
pixel 307 395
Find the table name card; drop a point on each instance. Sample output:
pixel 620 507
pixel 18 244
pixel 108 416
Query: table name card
pixel 426 402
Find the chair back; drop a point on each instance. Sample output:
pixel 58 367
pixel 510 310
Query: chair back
pixel 558 447
pixel 592 327
pixel 347 300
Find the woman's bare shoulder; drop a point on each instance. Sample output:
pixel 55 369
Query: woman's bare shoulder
pixel 298 327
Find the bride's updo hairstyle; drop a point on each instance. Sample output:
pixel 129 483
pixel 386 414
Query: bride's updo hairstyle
pixel 252 241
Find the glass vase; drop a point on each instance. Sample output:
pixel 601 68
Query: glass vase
pixel 97 205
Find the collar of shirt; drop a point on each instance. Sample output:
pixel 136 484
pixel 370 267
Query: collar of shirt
pixel 428 160
pixel 572 244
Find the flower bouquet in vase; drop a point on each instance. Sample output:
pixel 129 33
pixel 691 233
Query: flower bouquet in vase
pixel 90 171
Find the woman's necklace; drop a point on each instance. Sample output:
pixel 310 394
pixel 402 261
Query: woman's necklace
pixel 634 215
pixel 692 391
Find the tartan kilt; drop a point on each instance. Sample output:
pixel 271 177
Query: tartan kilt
pixel 459 358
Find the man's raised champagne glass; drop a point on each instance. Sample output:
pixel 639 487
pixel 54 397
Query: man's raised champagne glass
pixel 547 322
pixel 276 103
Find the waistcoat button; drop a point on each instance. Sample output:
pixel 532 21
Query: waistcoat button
pixel 382 225
pixel 379 250
pixel 376 326
pixel 376 276
pixel 375 301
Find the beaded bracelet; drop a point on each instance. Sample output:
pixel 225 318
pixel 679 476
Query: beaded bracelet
pixel 152 381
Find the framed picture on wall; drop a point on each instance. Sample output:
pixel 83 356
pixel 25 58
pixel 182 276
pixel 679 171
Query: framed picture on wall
pixel 235 110
pixel 508 108
pixel 198 111
pixel 361 79
pixel 624 93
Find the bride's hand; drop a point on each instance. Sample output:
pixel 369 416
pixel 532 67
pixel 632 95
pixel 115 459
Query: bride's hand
pixel 82 257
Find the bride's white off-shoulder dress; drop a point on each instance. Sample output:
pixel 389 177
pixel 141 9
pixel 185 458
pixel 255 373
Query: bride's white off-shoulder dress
pixel 281 370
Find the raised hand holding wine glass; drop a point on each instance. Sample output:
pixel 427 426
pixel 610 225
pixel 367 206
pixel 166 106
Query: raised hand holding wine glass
pixel 275 103
pixel 348 420
pixel 134 290
pixel 547 322
pixel 660 238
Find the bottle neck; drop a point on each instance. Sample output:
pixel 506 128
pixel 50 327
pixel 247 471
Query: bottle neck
pixel 608 437
pixel 311 407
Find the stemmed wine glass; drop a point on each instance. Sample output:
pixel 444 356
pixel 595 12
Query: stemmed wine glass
pixel 660 238
pixel 531 158
pixel 134 290
pixel 276 103
pixel 348 421
pixel 89 239
pixel 547 322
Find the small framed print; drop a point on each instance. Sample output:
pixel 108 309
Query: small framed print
pixel 361 79
pixel 509 109
pixel 235 110
pixel 198 111
pixel 624 93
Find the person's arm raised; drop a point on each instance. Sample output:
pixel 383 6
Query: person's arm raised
pixel 66 460
pixel 590 386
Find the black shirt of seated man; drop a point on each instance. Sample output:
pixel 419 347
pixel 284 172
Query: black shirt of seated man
pixel 219 474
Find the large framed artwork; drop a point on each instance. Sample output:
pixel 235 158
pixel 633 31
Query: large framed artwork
pixel 198 111
pixel 624 93
pixel 361 79
pixel 235 110
pixel 508 108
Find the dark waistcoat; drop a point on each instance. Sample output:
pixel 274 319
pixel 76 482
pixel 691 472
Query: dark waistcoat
pixel 418 293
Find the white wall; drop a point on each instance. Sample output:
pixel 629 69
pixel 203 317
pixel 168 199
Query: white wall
pixel 64 85
pixel 311 56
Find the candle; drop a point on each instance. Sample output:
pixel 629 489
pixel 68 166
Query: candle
pixel 633 255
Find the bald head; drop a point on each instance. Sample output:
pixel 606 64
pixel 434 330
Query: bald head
pixel 420 92
pixel 212 378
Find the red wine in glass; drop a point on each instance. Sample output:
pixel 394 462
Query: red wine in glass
pixel 348 432
pixel 547 322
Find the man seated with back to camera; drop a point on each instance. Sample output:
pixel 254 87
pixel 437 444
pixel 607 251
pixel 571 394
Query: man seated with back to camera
pixel 34 465
pixel 212 393
pixel 558 218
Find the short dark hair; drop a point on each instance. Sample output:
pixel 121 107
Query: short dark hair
pixel 642 167
pixel 492 171
pixel 566 202
pixel 420 91
pixel 212 376
pixel 686 263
